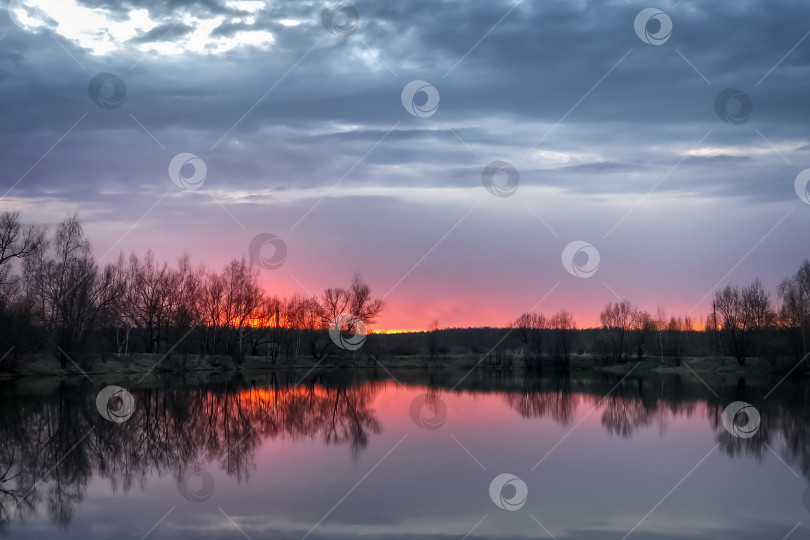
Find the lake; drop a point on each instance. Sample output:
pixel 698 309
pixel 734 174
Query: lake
pixel 410 454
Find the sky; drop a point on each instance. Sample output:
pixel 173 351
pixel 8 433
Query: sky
pixel 474 160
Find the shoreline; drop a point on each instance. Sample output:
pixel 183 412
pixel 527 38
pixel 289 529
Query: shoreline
pixel 154 365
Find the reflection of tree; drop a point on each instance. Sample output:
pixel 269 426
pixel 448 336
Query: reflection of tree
pixel 623 416
pixel 13 498
pixel 783 427
pixel 631 404
pixel 55 440
pixel 623 408
pixel 796 431
pixel 338 416
pixel 54 443
pixel 37 440
pixel 735 446
pixel 559 403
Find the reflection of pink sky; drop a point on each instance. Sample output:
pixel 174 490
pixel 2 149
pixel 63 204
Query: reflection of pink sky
pixel 408 477
pixel 391 404
pixel 471 414
pixel 468 411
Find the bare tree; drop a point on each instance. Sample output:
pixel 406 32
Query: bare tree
pixel 530 327
pixel 212 308
pixel 794 312
pixel 760 315
pixel 728 304
pixel 272 325
pixel 617 319
pixel 17 242
pixel 186 285
pixel 643 326
pixel 67 289
pixel 757 305
pixel 361 303
pixel 713 327
pixel 356 301
pixel 334 301
pixel 675 340
pixel 660 328
pixel 741 312
pixel 563 325
pixel 244 296
pixel 148 292
pixel 303 314
pixel 432 338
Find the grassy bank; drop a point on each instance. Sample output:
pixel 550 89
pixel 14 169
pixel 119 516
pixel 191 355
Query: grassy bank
pixel 44 365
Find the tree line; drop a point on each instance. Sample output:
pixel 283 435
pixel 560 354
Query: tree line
pixel 744 323
pixel 54 297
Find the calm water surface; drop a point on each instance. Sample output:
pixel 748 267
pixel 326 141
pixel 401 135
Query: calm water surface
pixel 349 455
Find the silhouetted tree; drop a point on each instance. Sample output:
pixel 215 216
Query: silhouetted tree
pixel 361 303
pixel 794 312
pixel 432 339
pixel 67 290
pixel 563 328
pixel 617 319
pixel 529 328
pixel 742 312
pixel 643 327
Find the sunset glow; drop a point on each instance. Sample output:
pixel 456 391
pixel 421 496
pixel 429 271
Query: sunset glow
pixel 411 270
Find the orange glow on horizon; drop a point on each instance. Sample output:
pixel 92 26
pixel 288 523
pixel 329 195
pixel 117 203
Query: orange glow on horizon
pixel 411 313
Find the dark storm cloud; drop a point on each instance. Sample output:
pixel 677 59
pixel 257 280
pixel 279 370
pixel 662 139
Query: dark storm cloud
pixel 505 95
pixel 164 32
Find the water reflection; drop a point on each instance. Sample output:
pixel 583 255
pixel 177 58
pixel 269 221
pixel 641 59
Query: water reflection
pixel 55 441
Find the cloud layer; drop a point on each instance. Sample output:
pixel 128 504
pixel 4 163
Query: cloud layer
pixel 303 133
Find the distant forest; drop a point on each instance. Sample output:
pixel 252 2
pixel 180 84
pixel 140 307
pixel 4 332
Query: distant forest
pixel 56 299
